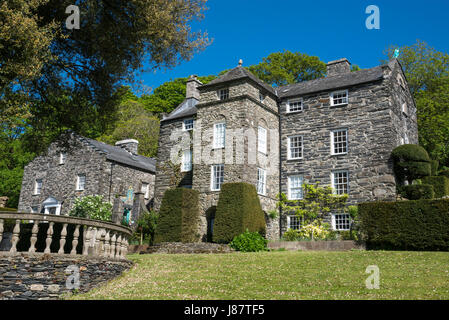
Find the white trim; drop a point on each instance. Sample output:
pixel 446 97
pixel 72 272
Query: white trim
pixel 219 144
pixel 184 124
pixel 289 193
pixel 36 182
pixel 262 147
pixel 145 188
pixel 331 96
pixel 333 142
pixel 186 160
pixel 219 91
pixel 333 180
pixel 78 176
pixel 264 181
pixel 289 222
pixel 289 157
pixel 212 176
pixel 334 224
pixel 295 101
pixel 62 157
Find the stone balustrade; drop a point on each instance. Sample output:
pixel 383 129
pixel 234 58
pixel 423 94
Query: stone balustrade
pixel 99 238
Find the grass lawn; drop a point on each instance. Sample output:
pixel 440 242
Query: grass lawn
pixel 280 275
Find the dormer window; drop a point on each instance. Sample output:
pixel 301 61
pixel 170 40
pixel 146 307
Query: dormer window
pixel 294 105
pixel 223 94
pixel 339 98
pixel 62 157
pixel 188 124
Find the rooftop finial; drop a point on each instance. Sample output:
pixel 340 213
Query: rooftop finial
pixel 240 62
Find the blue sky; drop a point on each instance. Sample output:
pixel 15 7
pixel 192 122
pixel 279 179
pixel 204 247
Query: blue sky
pixel 251 30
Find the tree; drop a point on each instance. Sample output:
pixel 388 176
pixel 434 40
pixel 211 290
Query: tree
pixel 427 73
pixel 169 95
pixel 133 121
pixel 282 68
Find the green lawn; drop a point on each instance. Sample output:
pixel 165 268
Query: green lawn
pixel 281 275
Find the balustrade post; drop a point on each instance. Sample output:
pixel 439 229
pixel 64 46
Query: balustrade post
pixel 97 246
pixel 107 245
pixel 33 239
pixel 49 237
pixel 87 241
pixel 112 249
pixel 1 230
pixel 15 237
pixel 125 246
pixel 62 240
pixel 76 234
pixel 118 246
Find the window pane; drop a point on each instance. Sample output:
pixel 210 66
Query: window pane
pixel 295 147
pixel 262 140
pixel 188 124
pixel 342 221
pixel 295 105
pixel 294 222
pixel 295 187
pixel 219 135
pixel 223 94
pixel 217 176
pixel 340 97
pixel 341 183
pixel 187 160
pixel 340 141
pixel 261 181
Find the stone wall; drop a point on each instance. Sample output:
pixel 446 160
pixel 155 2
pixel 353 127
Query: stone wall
pixel 59 180
pixel 43 277
pixel 342 245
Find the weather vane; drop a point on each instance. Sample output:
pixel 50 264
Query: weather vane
pixel 396 53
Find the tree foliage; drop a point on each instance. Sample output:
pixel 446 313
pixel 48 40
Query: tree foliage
pixel 282 68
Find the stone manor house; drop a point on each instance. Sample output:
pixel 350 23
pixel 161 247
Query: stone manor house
pixel 338 130
pixel 75 166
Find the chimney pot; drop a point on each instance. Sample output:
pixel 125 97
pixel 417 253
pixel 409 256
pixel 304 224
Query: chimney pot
pixel 192 87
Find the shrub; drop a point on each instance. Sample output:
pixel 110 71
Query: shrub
pixel 291 235
pixel 249 242
pixel 440 185
pixel 314 231
pixel 411 162
pixel 146 226
pixel 418 191
pixel 434 167
pixel 178 216
pixel 408 225
pixel 8 209
pixel 238 209
pixel 92 207
pixel 444 173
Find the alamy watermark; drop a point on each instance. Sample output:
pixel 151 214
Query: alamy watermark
pixel 373 281
pixel 73 280
pixel 72 21
pixel 373 20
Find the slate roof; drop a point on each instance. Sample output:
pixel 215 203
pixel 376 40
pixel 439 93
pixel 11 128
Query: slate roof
pixel 122 156
pixel 185 109
pixel 330 83
pixel 239 73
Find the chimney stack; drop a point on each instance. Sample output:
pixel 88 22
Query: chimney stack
pixel 129 145
pixel 337 67
pixel 191 89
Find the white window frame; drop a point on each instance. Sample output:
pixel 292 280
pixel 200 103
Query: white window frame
pixel 184 128
pixel 337 226
pixel 261 183
pixel 62 157
pixel 186 164
pixel 333 141
pixel 404 107
pixel 34 209
pixel 289 154
pixel 145 189
pixel 78 182
pixel 219 143
pixel 214 176
pixel 38 182
pixel 261 97
pixel 336 93
pixel 262 140
pixel 289 186
pixel 297 223
pixel 294 101
pixel 223 94
pixel 333 181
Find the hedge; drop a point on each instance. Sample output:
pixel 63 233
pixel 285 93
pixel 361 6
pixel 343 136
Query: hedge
pixel 440 185
pixel 411 162
pixel 418 191
pixel 444 173
pixel 178 216
pixel 406 225
pixel 434 167
pixel 238 209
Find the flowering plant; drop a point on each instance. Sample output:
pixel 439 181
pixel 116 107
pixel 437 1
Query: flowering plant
pixel 92 207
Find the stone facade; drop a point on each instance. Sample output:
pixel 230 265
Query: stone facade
pixel 379 115
pixel 103 176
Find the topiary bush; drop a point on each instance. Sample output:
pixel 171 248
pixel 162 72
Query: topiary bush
pixel 238 209
pixel 405 225
pixel 444 173
pixel 434 167
pixel 92 207
pixel 440 185
pixel 418 191
pixel 411 162
pixel 249 242
pixel 178 216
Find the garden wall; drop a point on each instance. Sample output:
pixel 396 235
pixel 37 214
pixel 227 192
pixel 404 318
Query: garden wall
pixel 42 276
pixel 337 245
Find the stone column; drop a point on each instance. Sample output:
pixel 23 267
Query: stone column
pixel 117 211
pixel 138 202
